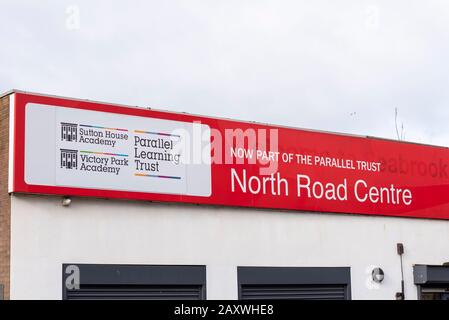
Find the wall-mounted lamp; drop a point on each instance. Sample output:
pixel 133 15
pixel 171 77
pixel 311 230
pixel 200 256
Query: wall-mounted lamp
pixel 66 201
pixel 378 275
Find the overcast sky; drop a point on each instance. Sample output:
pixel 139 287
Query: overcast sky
pixel 329 65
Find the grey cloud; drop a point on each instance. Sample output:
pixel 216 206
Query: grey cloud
pixel 298 63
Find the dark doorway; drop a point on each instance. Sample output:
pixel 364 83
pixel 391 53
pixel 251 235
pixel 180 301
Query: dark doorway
pixel 432 282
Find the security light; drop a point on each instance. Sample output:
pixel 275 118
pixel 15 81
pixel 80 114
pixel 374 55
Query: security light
pixel 378 275
pixel 66 201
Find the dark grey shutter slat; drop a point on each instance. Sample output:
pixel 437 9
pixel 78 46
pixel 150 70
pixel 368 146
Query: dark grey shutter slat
pixel 297 292
pixel 112 292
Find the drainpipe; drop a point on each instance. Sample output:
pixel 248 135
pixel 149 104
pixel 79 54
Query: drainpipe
pixel 400 251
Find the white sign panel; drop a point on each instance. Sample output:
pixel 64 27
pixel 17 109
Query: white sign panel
pixel 99 150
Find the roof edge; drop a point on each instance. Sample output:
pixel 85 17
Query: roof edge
pixel 7 93
pixel 227 119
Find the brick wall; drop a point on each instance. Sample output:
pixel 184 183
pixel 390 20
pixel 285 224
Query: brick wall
pixel 5 201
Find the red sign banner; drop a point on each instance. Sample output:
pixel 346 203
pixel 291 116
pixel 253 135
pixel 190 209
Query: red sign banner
pixel 73 147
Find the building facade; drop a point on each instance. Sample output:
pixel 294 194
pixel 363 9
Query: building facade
pixel 79 220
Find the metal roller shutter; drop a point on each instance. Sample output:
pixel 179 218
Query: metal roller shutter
pixel 111 292
pixel 293 292
pixel 294 283
pixel 134 282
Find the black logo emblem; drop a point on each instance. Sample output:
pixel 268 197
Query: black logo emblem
pixel 69 159
pixel 69 131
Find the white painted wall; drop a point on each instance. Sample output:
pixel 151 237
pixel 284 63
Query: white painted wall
pixel 44 235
